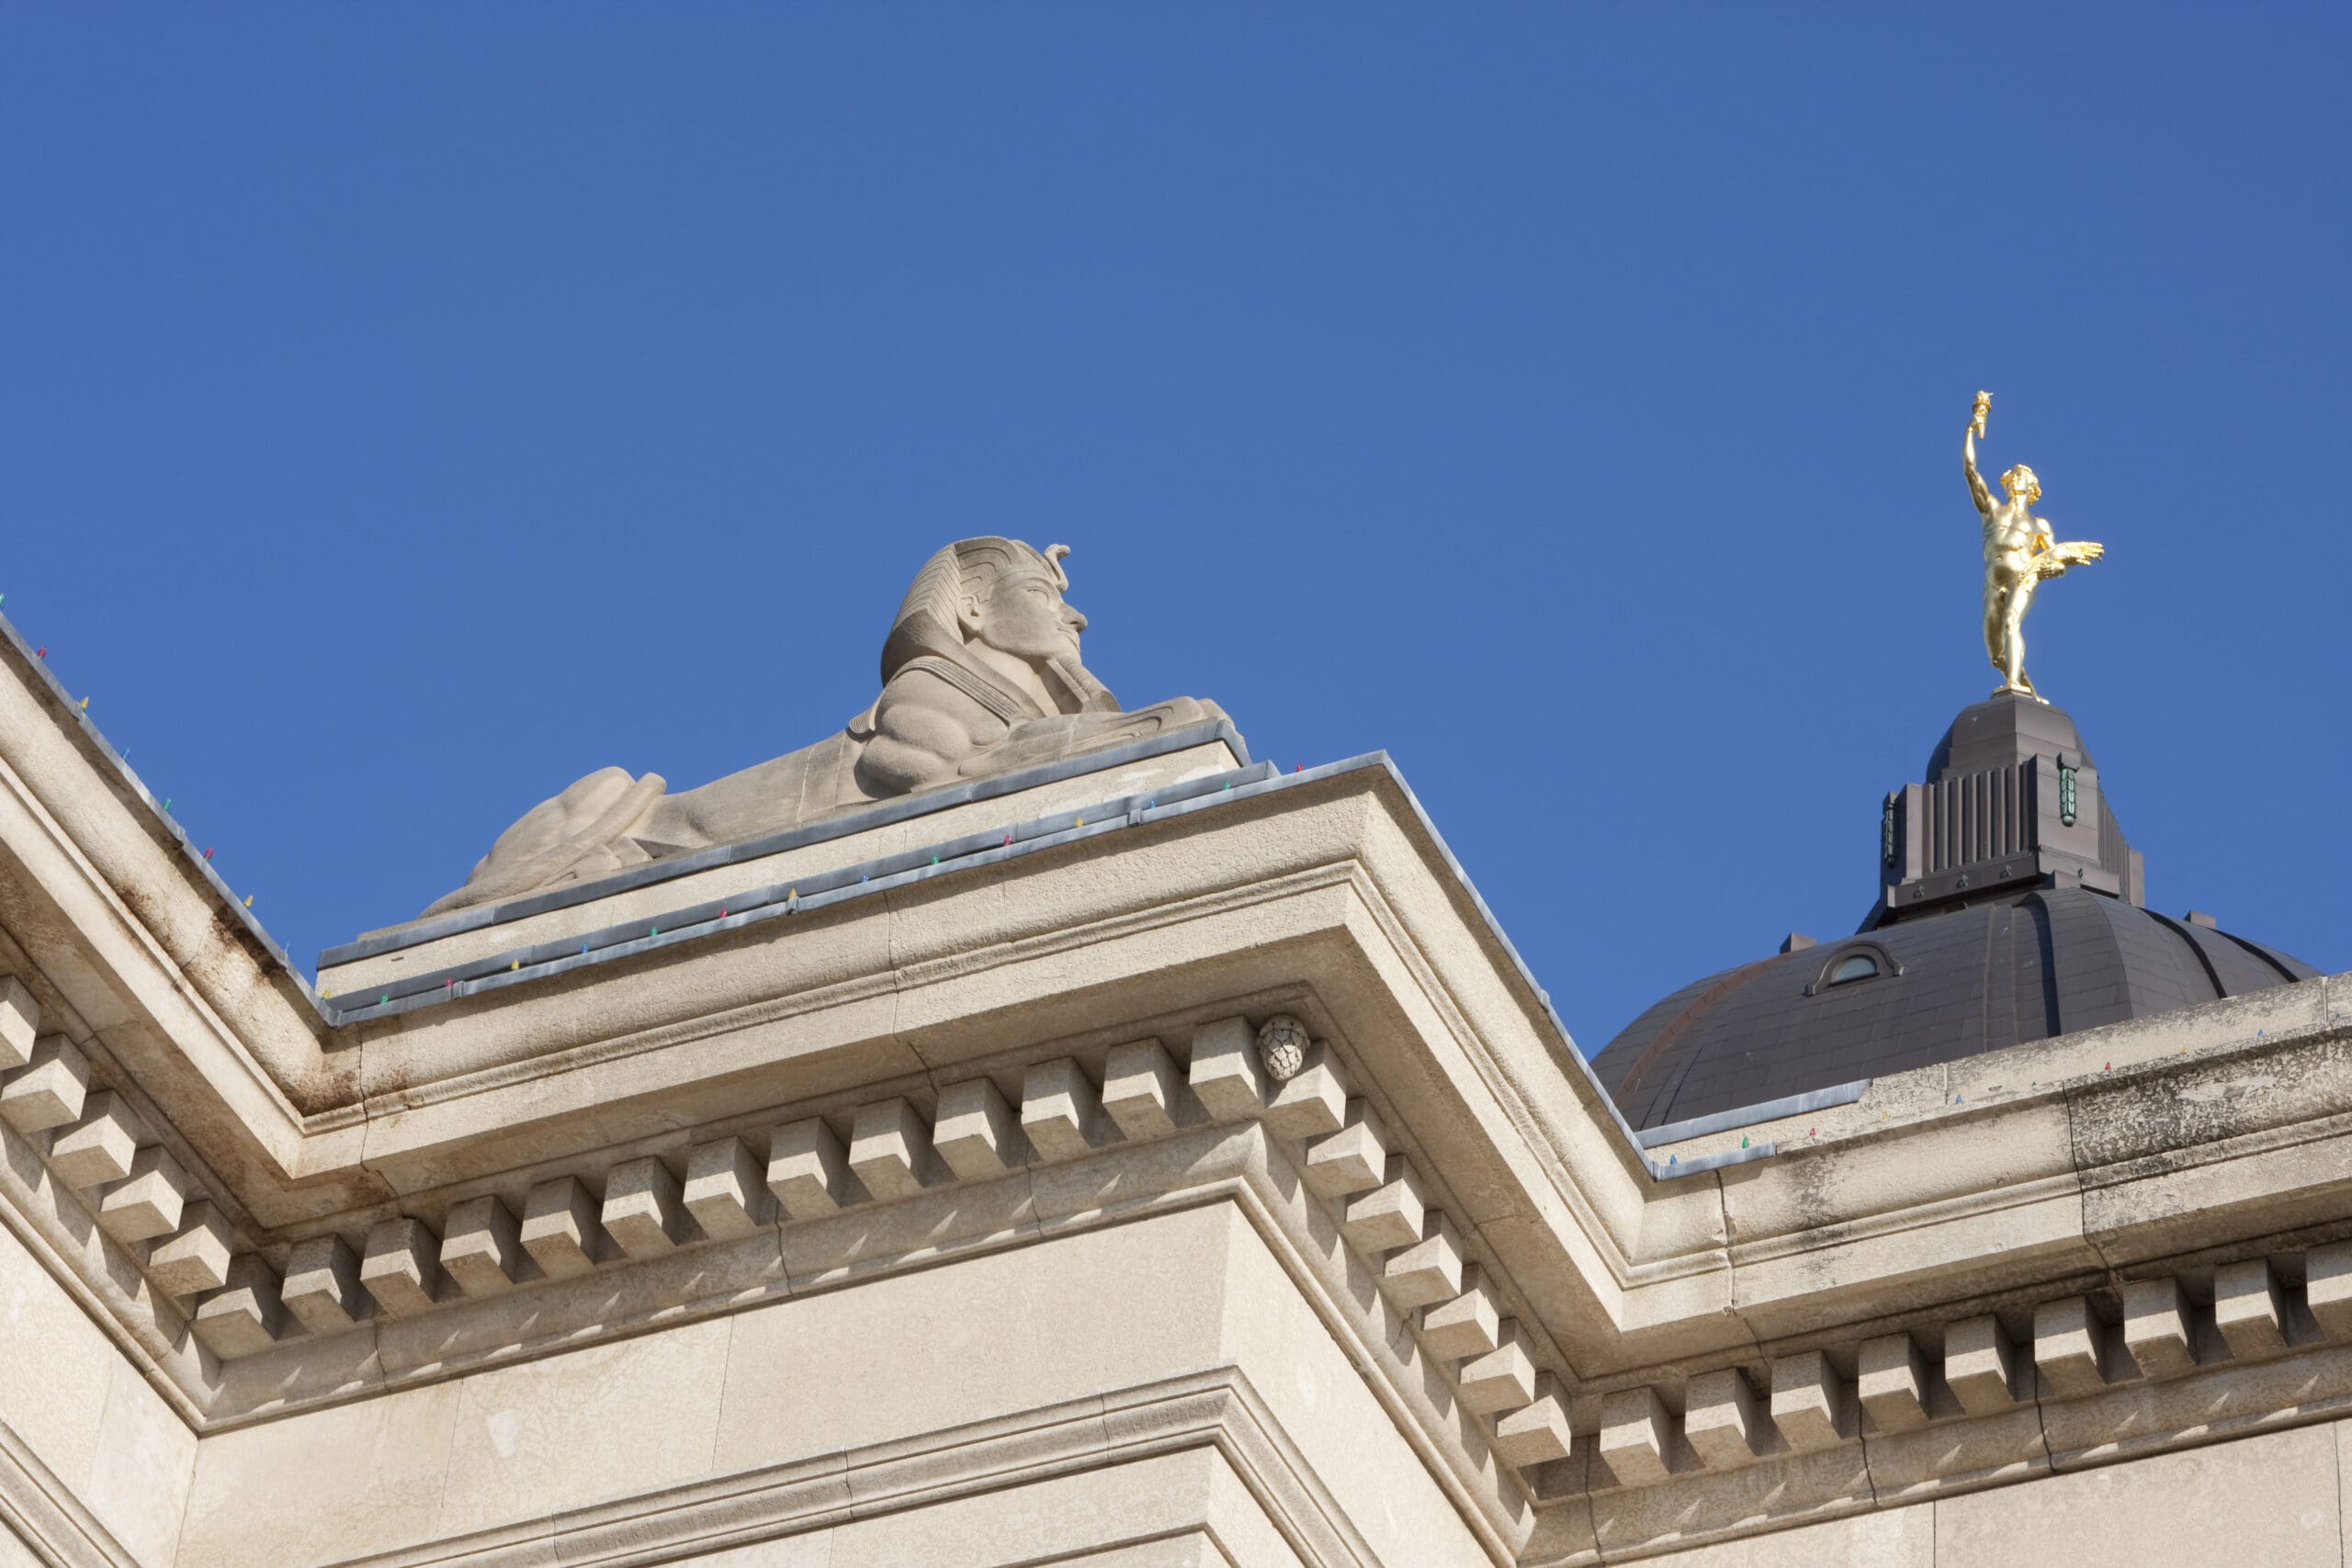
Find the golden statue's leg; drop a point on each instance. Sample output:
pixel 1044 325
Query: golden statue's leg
pixel 2019 600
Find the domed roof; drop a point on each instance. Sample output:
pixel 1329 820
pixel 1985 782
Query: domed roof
pixel 2009 911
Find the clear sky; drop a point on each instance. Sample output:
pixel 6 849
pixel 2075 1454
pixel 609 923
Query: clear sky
pixel 404 411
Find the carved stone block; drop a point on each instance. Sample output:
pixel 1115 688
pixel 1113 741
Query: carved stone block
pixel 2069 1347
pixel 2246 1309
pixel 1811 1403
pixel 808 1171
pixel 1060 1111
pixel 400 1267
pixel 727 1190
pixel 1893 1386
pixel 2327 1287
pixel 322 1285
pixel 2156 1329
pixel 1721 1419
pixel 1469 1324
pixel 1637 1435
pixel 642 1211
pixel 1353 1159
pixel 889 1148
pixel 561 1229
pixel 975 1133
pixel 19 1022
pixel 1502 1379
pixel 1427 1271
pixel 1224 1073
pixel 1143 1093
pixel 1312 1103
pixel 147 1202
pixel 482 1247
pixel 1980 1366
pixel 1535 1433
pixel 99 1147
pixel 245 1315
pixel 51 1090
pixel 1391 1215
pixel 196 1257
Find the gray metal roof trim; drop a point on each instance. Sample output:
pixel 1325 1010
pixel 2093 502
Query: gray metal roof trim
pixel 815 891
pixel 1749 1115
pixel 881 814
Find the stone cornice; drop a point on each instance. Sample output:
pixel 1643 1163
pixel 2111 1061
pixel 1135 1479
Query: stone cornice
pixel 221 1143
pixel 1079 1156
pixel 2234 1343
pixel 1626 1232
pixel 2156 1363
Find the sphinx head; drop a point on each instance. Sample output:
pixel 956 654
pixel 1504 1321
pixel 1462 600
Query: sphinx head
pixel 996 593
pixel 2022 484
pixel 1012 600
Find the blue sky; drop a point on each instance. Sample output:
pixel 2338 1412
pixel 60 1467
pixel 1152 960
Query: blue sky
pixel 405 410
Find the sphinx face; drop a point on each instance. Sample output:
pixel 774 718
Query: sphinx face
pixel 1025 615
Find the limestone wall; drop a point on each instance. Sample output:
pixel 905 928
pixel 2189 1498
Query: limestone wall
pixel 1160 1387
pixel 88 1452
pixel 2273 1500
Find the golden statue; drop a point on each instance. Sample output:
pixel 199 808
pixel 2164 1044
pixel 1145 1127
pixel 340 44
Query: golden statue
pixel 2020 551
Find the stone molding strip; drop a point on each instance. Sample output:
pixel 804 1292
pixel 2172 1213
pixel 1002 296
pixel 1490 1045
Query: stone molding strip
pixel 1218 1408
pixel 881 814
pixel 54 1525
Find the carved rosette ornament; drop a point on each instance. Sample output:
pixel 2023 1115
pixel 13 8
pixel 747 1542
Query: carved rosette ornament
pixel 1281 1046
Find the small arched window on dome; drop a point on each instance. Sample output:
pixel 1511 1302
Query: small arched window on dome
pixel 1851 964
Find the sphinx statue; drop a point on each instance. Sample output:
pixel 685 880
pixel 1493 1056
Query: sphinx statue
pixel 980 675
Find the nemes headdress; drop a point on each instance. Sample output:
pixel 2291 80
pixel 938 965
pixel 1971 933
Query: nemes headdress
pixel 926 619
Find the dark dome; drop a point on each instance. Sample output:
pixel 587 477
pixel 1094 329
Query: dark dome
pixel 1948 986
pixel 2009 911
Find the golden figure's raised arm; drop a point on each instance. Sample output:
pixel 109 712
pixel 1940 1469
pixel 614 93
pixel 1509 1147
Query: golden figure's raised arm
pixel 1976 490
